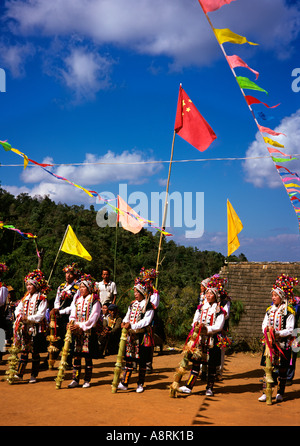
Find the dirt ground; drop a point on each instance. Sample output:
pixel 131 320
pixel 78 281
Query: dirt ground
pixel 235 402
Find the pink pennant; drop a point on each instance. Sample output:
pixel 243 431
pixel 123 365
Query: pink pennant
pixel 235 61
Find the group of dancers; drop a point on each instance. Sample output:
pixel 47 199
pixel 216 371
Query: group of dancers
pixel 78 309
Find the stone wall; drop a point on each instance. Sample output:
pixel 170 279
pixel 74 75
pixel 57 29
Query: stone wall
pixel 251 283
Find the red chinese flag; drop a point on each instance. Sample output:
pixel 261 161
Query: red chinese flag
pixel 190 124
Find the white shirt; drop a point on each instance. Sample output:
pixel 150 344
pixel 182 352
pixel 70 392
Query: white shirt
pixel 66 310
pixel 106 291
pixel 134 312
pixel 210 310
pixel 155 299
pixel 92 319
pixel 3 295
pixel 33 315
pixel 277 313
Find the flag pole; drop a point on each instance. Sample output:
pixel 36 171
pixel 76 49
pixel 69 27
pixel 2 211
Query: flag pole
pixel 116 241
pixel 165 208
pixel 58 253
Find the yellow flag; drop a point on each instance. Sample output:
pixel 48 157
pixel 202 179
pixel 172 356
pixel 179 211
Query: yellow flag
pixel 272 142
pixel 225 35
pixel 234 226
pixel 71 245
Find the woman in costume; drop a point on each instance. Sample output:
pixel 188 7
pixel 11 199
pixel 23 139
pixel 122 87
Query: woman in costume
pixel 203 288
pixel 66 293
pixel 277 327
pixel 3 303
pixel 137 321
pixel 30 324
pixel 85 313
pixel 203 348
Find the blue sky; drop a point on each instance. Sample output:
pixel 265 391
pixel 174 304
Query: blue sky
pixel 87 81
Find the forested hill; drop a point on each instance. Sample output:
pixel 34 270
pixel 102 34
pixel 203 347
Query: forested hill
pixel 181 271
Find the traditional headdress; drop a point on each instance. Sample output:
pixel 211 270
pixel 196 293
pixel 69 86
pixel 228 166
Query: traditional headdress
pixel 147 275
pixel 217 285
pixel 205 282
pixel 283 286
pixel 88 281
pixel 141 288
pixel 73 268
pixel 3 268
pixel 37 278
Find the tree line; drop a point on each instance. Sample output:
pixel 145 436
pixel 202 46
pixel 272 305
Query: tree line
pixel 181 271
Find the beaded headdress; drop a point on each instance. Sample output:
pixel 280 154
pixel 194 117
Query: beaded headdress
pixel 3 268
pixel 141 288
pixel 147 275
pixel 37 278
pixel 73 268
pixel 217 285
pixel 88 281
pixel 284 285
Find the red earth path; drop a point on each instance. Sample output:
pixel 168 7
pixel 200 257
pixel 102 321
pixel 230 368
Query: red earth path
pixel 235 402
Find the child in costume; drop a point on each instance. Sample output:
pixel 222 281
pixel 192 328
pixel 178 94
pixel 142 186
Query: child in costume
pixel 137 321
pixel 85 312
pixel 277 327
pixel 202 343
pixel 30 324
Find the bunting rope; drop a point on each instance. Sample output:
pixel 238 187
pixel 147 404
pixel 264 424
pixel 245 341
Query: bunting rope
pixel 91 193
pixel 157 162
pixel 226 35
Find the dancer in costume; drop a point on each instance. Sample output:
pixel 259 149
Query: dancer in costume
pixel 225 303
pixel 137 321
pixel 30 324
pixel 277 327
pixel 203 288
pixel 295 302
pixel 147 278
pixel 65 295
pixel 3 304
pixel 203 349
pixel 85 313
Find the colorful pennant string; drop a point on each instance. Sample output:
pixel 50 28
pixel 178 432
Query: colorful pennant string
pixel 226 35
pixel 7 147
pixel 26 235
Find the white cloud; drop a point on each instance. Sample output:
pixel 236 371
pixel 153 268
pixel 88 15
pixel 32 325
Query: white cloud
pixel 86 72
pixel 175 29
pixel 109 168
pixel 262 172
pixel 14 57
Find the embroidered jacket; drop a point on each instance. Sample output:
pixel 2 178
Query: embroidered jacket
pixel 136 315
pixel 33 308
pixel 65 296
pixel 281 318
pixel 86 311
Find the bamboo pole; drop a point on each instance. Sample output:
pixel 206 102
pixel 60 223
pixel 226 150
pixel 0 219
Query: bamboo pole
pixel 119 363
pixel 64 356
pixel 268 372
pixel 52 338
pixel 58 253
pixel 188 351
